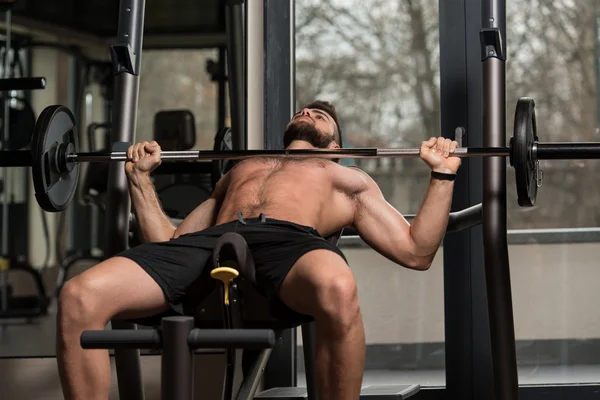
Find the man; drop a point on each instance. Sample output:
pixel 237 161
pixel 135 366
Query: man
pixel 283 207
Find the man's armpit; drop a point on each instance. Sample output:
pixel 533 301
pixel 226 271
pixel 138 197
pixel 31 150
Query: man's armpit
pixel 355 182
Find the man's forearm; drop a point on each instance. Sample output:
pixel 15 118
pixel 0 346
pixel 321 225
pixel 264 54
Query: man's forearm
pixel 154 225
pixel 429 226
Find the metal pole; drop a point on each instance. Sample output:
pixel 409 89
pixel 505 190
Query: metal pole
pixel 567 151
pixel 126 56
pixel 222 90
pixel 597 60
pixel 274 44
pixel 234 22
pixel 177 359
pixel 5 261
pixel 256 128
pixel 193 155
pixel 504 363
pixel 21 83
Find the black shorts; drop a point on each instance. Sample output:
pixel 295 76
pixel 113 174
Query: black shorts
pixel 179 264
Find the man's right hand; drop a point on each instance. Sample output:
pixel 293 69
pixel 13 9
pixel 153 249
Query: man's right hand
pixel 143 158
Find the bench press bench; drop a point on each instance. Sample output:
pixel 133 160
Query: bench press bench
pixel 235 316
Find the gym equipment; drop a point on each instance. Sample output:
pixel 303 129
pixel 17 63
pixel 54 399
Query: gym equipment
pixel 522 158
pixel 502 348
pixel 54 156
pixel 54 177
pixel 175 129
pixel 177 338
pixel 26 83
pixel 249 309
pixel 223 142
pixel 21 122
pixel 18 122
pixel 244 312
pixel 181 191
pixel 21 118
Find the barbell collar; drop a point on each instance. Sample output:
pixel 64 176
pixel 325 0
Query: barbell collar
pixel 567 151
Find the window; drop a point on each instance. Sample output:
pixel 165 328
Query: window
pixel 554 250
pixel 174 80
pixel 378 62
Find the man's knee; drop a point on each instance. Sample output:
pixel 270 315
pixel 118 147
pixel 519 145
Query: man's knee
pixel 79 303
pixel 322 285
pixel 337 301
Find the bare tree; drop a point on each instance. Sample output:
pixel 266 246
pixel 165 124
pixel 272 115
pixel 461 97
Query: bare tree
pixel 551 55
pixel 378 60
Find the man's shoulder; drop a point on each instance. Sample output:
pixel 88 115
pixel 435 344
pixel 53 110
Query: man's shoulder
pixel 354 177
pixel 353 169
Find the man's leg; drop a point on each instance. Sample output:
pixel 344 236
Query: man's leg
pixel 322 285
pixel 117 286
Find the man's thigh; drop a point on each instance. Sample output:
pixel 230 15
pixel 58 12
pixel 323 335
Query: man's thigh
pixel 313 276
pixel 116 287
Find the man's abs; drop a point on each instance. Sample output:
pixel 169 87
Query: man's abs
pixel 303 191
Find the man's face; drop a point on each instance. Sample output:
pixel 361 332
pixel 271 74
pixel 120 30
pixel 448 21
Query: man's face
pixel 312 125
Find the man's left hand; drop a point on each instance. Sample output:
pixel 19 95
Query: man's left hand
pixel 437 153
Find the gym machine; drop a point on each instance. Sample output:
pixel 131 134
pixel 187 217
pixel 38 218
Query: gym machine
pixel 18 123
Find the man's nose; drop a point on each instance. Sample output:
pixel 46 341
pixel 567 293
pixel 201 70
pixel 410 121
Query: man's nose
pixel 305 111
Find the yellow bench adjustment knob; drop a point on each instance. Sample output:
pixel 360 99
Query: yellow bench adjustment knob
pixel 225 275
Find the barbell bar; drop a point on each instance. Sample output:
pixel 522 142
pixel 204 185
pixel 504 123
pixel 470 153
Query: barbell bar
pixel 55 159
pixel 540 151
pixel 194 155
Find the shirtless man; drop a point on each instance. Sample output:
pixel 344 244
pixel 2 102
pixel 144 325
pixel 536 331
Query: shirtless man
pixel 303 201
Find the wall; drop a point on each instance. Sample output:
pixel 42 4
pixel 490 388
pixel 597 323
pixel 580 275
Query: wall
pixel 554 294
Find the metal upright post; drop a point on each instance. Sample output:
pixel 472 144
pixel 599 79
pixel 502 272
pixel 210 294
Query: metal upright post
pixel 222 90
pixel 234 21
pixel 126 57
pixel 504 363
pixel 277 53
pixel 4 257
pixel 597 60
pixel 177 359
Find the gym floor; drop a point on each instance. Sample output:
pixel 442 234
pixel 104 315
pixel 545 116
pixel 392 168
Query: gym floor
pixel 35 339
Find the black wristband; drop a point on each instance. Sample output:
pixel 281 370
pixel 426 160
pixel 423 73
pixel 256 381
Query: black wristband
pixel 442 176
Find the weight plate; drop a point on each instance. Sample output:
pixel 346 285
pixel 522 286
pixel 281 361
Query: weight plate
pixel 54 182
pixel 223 142
pixel 521 154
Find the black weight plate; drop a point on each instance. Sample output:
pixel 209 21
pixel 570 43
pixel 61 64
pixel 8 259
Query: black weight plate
pixel 21 122
pixel 521 157
pixel 54 189
pixel 223 142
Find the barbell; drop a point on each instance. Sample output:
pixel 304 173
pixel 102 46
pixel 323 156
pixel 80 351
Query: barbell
pixel 55 159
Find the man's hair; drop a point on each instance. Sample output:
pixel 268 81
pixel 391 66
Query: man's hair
pixel 329 109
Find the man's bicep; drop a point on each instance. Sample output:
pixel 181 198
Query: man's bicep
pixel 200 218
pixel 383 228
pixel 205 215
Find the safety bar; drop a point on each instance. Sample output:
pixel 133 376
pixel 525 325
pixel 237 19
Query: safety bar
pixel 177 338
pixel 9 84
pixel 457 220
pixel 197 339
pixel 465 219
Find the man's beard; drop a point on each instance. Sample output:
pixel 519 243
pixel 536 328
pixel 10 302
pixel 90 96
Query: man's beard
pixel 307 132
